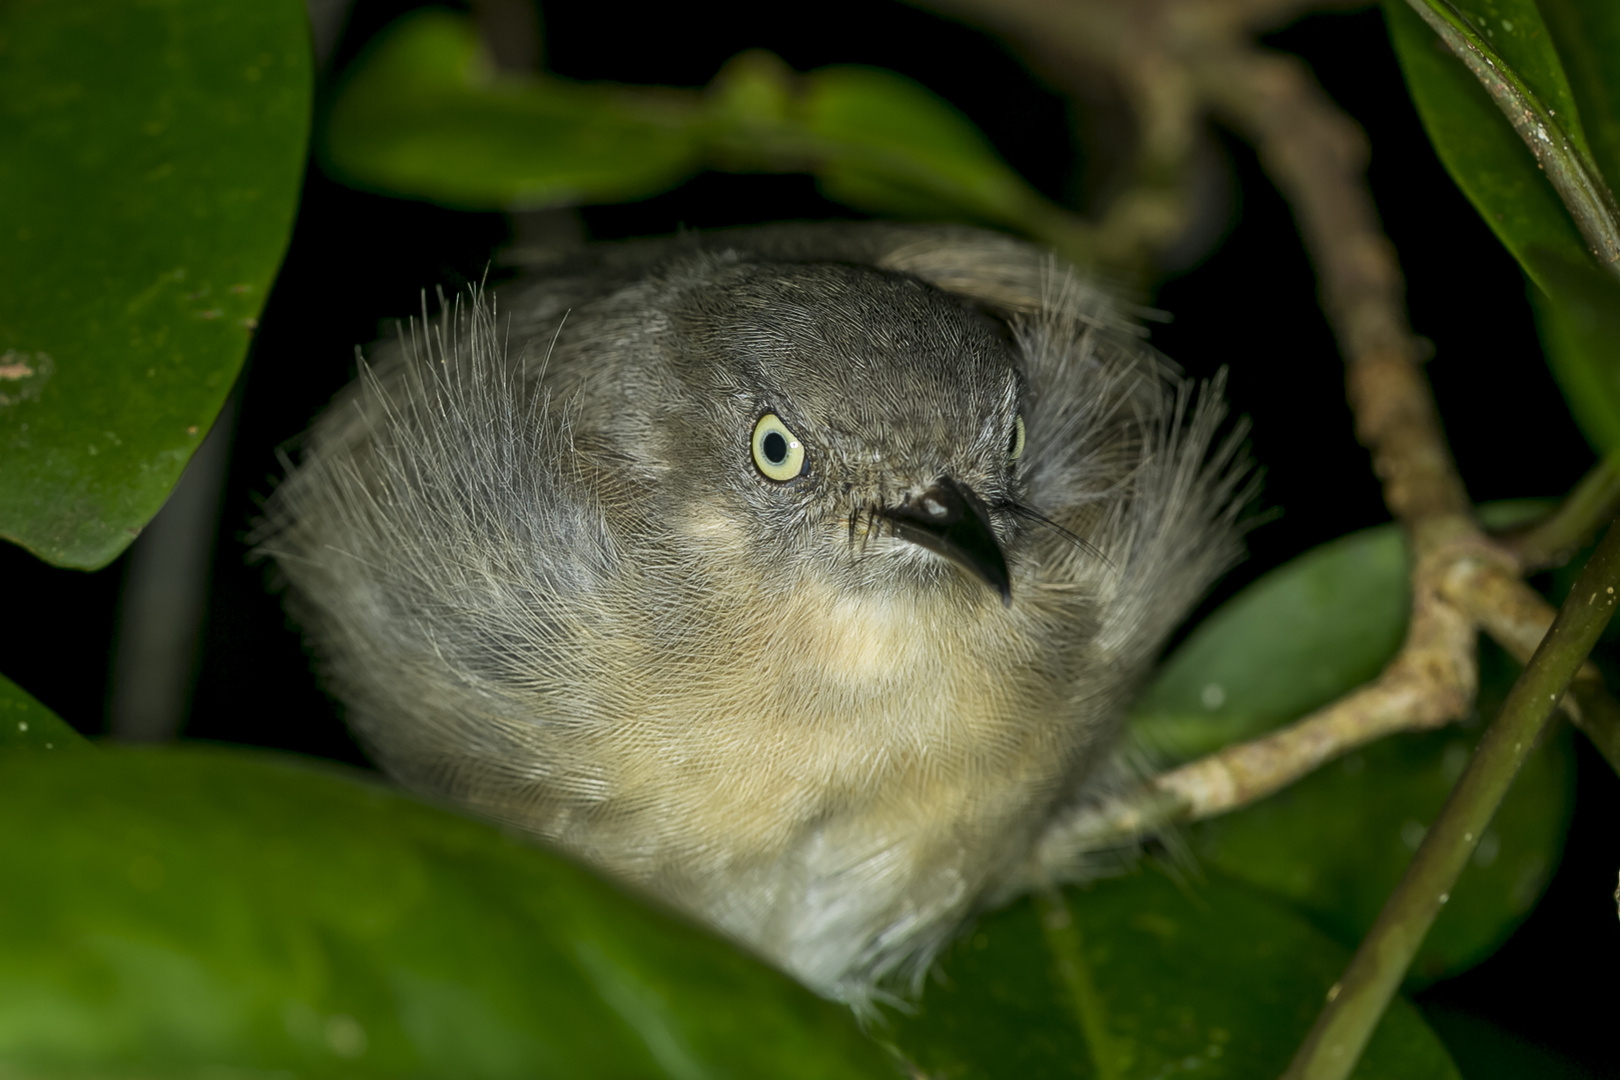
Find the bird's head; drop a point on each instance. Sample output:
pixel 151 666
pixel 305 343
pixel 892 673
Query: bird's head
pixel 841 417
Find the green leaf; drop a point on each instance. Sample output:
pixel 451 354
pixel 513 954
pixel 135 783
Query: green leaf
pixel 191 912
pixel 1295 640
pixel 1587 33
pixel 1334 844
pixel 25 724
pixel 1516 32
pixel 150 163
pixel 1136 978
pixel 422 114
pixel 889 146
pixel 1499 175
pixel 1578 318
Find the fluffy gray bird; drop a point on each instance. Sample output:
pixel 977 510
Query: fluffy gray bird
pixel 797 575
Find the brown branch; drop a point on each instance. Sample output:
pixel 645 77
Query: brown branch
pixel 1430 682
pixel 1177 60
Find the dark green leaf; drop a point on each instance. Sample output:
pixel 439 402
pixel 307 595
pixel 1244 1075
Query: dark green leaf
pixel 192 912
pixel 25 724
pixel 1498 174
pixel 1137 977
pixel 150 162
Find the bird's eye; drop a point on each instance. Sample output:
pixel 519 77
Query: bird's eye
pixel 1015 448
pixel 777 451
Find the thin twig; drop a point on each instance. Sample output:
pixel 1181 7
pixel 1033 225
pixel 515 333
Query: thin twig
pixel 1552 540
pixel 1357 1002
pixel 1423 688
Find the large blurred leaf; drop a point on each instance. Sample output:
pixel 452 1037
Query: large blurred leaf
pixel 1498 174
pixel 25 724
pixel 198 912
pixel 150 162
pixel 1136 978
pixel 422 114
pixel 1336 843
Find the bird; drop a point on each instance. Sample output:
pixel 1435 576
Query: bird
pixel 796 575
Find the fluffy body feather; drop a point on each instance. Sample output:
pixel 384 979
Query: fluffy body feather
pixel 541 569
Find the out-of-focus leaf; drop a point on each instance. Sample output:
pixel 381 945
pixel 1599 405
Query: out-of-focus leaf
pixel 895 148
pixel 421 115
pixel 25 724
pixel 1335 843
pixel 1578 317
pixel 1135 978
pixel 150 163
pixel 1299 637
pixel 1498 174
pixel 199 912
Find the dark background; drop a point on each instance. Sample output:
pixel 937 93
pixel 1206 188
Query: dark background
pixel 358 261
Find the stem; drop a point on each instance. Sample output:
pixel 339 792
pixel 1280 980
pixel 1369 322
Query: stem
pixel 1552 540
pixel 1517 618
pixel 1357 1002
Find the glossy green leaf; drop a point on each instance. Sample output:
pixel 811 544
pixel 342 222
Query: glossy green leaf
pixel 422 115
pixel 1298 638
pixel 1136 978
pixel 1587 35
pixel 1498 174
pixel 150 163
pixel 25 724
pixel 208 912
pixel 1518 34
pixel 1335 844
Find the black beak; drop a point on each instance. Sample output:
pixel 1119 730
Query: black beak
pixel 949 520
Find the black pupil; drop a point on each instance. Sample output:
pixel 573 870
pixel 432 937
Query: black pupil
pixel 1012 443
pixel 775 448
